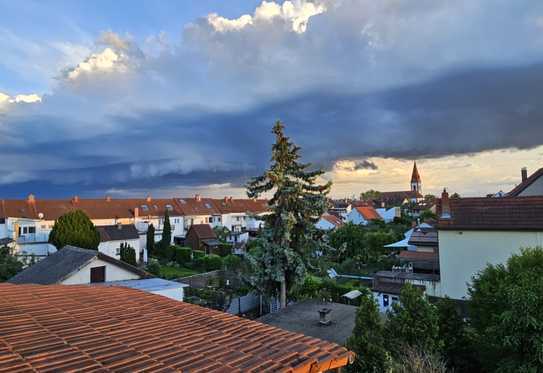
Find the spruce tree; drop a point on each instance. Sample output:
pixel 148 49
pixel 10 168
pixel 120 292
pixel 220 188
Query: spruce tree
pixel 367 340
pixel 150 241
pixel 289 235
pixel 76 229
pixel 128 254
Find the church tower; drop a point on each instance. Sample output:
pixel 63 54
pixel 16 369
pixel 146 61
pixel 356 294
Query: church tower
pixel 416 183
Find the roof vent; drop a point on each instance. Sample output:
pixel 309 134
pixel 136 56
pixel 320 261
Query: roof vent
pixel 324 316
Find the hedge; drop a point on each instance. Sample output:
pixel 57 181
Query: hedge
pixel 182 255
pixel 208 263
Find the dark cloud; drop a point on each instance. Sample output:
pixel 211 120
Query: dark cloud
pixel 463 112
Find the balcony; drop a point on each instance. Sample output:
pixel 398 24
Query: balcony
pixel 33 238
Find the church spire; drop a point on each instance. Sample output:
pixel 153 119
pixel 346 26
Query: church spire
pixel 416 182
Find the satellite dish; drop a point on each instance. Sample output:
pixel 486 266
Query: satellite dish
pixel 40 215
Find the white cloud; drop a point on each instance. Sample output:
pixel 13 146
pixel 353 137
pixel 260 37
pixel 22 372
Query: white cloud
pixel 295 13
pixel 6 100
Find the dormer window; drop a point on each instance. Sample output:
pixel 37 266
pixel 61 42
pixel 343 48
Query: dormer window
pixel 144 208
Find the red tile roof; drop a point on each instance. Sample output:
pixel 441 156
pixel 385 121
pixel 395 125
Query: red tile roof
pixel 332 219
pixel 202 231
pixel 368 213
pixel 526 183
pixel 85 328
pixel 507 213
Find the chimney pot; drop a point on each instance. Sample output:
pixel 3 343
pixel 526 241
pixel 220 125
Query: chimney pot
pixel 75 199
pixel 445 205
pixel 197 197
pixel 108 198
pixel 324 316
pixel 148 199
pixel 31 198
pixel 524 174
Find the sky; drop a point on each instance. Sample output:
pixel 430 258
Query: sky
pixel 172 98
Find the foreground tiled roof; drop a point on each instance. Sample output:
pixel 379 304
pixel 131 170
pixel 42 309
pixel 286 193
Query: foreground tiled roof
pixel 507 213
pixel 84 328
pixel 526 183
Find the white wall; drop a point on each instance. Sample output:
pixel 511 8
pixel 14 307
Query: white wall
pixel 113 273
pixel 389 215
pixel 176 294
pixel 110 247
pixel 464 253
pixel 535 189
pixel 380 299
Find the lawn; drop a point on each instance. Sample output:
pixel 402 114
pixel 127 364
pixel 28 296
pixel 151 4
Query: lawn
pixel 171 273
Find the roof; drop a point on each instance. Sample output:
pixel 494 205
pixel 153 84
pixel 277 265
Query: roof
pixel 368 213
pixel 303 317
pixel 202 231
pixel 80 327
pixel 424 237
pixel 118 232
pixel 392 287
pixel 526 183
pixel 397 197
pixel 56 267
pixel 105 208
pixel 211 206
pixel 333 219
pixel 506 213
pixel 403 276
pixel 416 256
pixel 147 284
pixel 415 177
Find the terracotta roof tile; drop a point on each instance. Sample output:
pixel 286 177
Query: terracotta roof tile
pixel 368 213
pixel 87 328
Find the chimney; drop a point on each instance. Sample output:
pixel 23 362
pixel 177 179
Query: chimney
pixel 445 205
pixel 524 174
pixel 31 198
pixel 148 199
pixel 324 316
pixel 108 198
pixel 229 199
pixel 136 212
pixel 119 226
pixel 75 199
pixel 225 199
pixel 197 198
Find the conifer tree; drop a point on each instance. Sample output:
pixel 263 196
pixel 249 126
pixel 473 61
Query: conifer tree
pixel 150 241
pixel 289 234
pixel 367 340
pixel 76 229
pixel 128 254
pixel 166 240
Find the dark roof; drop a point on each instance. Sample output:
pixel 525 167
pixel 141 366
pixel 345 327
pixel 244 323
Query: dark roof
pixel 392 287
pixel 506 213
pixel 202 231
pixel 404 276
pixel 211 242
pixel 424 237
pixel 397 198
pixel 58 266
pixel 419 256
pixel 5 241
pixel 59 328
pixel 118 232
pixel 526 183
pixel 303 317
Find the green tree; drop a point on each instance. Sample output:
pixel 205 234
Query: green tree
pixel 76 229
pixel 367 340
pixel 413 322
pixel 166 240
pixel 458 349
pixel 370 195
pixel 150 240
pixel 290 235
pixel 128 254
pixel 507 313
pixel 349 240
pixel 9 265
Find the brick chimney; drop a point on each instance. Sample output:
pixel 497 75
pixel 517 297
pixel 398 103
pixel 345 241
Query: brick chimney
pixel 108 198
pixel 197 198
pixel 148 199
pixel 445 205
pixel 31 198
pixel 136 212
pixel 75 199
pixel 524 174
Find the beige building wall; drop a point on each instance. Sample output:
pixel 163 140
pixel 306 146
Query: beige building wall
pixel 113 273
pixel 462 254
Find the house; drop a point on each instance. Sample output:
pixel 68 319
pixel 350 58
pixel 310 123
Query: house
pixel 340 208
pixel 387 286
pixel 388 215
pixel 97 328
pixel 199 210
pixel 202 237
pixel 28 222
pixel 328 222
pixel 529 186
pixel 113 236
pixel 242 214
pixel 405 197
pixel 476 231
pixel 363 215
pixel 73 265
pixel 305 317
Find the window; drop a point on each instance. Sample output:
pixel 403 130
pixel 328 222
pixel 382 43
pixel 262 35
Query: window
pixel 31 230
pixel 144 208
pixel 219 219
pixel 98 274
pixel 385 300
pixel 207 205
pixel 118 251
pixel 211 219
pixel 2 220
pixel 169 207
